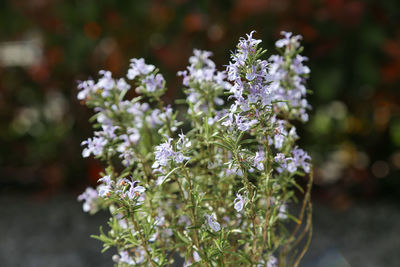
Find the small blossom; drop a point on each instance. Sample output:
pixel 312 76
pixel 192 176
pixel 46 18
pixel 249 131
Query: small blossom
pixel 196 256
pixel 106 180
pixel 136 192
pixel 259 160
pixel 139 67
pixel 163 153
pixel 104 190
pixel 152 83
pixel 95 146
pixel 212 222
pixel 89 197
pixel 272 262
pixel 86 88
pixel 282 214
pixel 239 203
pixel 301 158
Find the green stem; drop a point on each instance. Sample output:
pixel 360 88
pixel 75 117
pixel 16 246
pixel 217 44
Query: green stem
pixel 252 215
pixel 144 241
pixel 193 208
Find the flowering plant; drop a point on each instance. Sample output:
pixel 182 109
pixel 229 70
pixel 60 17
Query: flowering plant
pixel 214 185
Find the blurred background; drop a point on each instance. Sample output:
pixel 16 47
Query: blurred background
pixel 353 135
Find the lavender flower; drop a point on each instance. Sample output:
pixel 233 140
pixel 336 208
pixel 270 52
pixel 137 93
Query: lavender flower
pixel 239 203
pixel 87 88
pixel 280 134
pixel 152 83
pixel 95 146
pixel 104 190
pixel 106 180
pixel 196 256
pixel 136 192
pixel 259 160
pixel 289 70
pixel 126 258
pixel 212 222
pixel 89 197
pixel 139 67
pixel 164 152
pixel 203 81
pixel 301 158
pixel 291 164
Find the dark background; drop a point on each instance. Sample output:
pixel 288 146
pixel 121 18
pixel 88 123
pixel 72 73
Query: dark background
pixel 353 134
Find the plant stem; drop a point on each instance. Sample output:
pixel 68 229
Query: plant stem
pixel 252 215
pixel 144 241
pixel 193 211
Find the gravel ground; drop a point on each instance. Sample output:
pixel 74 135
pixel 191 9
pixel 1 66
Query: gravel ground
pixel 56 233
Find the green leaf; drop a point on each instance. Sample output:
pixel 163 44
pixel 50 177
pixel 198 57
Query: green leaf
pixel 221 145
pixel 170 173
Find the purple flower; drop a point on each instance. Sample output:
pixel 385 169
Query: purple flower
pixel 87 88
pixel 153 83
pixel 121 221
pixel 252 74
pixel 106 82
pixel 136 192
pixel 239 203
pixel 183 142
pixel 203 81
pixel 138 67
pixel 95 146
pixel 259 160
pixel 122 85
pixel 196 256
pixel 288 76
pixel 135 258
pixel 89 196
pixel 109 131
pixel 281 134
pixel 291 164
pixel 248 45
pixel 285 41
pixel 106 180
pixel 289 38
pixel 163 153
pixel 301 158
pixel 104 190
pixel 212 222
pixel 244 124
pixel 126 258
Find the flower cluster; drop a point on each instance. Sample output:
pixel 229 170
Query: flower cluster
pixel 220 194
pixel 298 159
pixel 152 83
pixel 204 83
pixel 289 74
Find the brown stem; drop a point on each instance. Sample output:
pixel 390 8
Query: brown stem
pixel 309 230
pixel 306 202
